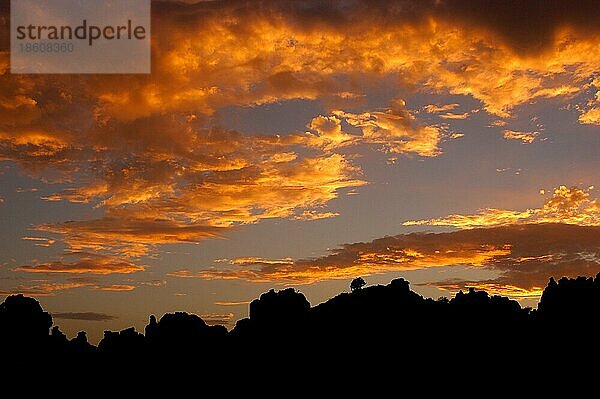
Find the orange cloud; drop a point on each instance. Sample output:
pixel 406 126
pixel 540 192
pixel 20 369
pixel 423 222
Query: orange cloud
pixel 42 288
pixel 84 263
pixel 396 130
pixel 567 205
pixel 230 303
pixel 525 137
pixel 436 109
pixel 514 253
pixel 130 236
pixel 38 288
pixel 328 132
pixel 315 215
pixel 493 288
pixel 590 116
pixel 400 253
pixel 200 204
pixel 40 241
pixel 116 287
pixel 255 57
pixel 450 115
pixel 217 319
pixel 138 148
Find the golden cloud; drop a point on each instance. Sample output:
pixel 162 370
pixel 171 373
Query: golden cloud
pixel 590 116
pixel 525 137
pixel 567 205
pixel 40 241
pixel 129 236
pixel 395 129
pixel 436 109
pixel 39 288
pixel 493 288
pixel 116 287
pixel 399 253
pixel 524 257
pixel 217 319
pixel 84 263
pixel 258 55
pixel 232 303
pixel 450 115
pixel 42 288
pixel 138 148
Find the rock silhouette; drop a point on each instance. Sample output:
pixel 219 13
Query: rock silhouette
pixel 390 320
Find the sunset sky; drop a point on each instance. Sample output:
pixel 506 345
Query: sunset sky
pixel 454 143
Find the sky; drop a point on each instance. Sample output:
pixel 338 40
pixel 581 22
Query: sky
pixel 304 143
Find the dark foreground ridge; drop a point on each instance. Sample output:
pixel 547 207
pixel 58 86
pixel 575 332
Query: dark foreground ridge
pixel 368 324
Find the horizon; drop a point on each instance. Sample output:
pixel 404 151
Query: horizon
pixel 303 144
pixel 559 298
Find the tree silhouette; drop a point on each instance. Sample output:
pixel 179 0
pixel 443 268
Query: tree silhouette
pixel 357 283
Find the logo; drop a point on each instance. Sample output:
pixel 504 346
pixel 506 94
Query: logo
pixel 80 36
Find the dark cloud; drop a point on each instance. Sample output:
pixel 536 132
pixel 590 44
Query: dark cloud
pixel 526 25
pixel 87 316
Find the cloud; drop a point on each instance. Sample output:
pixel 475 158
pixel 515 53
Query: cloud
pixel 208 204
pixel 498 123
pixel 154 283
pixel 450 115
pixel 40 241
pixel 216 318
pixel 38 288
pixel 229 303
pixel 131 236
pixel 26 190
pixel 258 55
pixel 115 287
pixel 525 137
pixel 590 116
pixel 252 260
pixel 203 204
pixel 567 205
pixel 138 147
pixel 86 316
pixel 315 215
pixel 524 248
pixel 436 109
pixel 398 253
pixel 523 258
pixel 396 130
pixel 84 263
pixel 328 132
